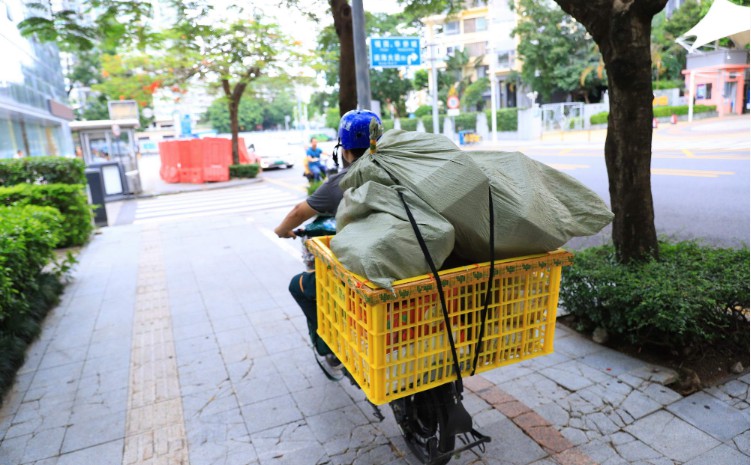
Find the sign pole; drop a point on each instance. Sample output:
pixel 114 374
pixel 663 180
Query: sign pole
pixel 434 73
pixel 361 59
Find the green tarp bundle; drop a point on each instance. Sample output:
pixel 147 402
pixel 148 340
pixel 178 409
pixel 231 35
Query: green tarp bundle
pixel 536 208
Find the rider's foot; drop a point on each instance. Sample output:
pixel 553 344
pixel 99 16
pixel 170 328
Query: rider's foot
pixel 331 366
pixel 333 362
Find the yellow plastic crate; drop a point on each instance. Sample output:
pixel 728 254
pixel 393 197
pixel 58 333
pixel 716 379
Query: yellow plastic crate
pixel 395 344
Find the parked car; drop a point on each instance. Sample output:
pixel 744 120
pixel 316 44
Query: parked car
pixel 272 158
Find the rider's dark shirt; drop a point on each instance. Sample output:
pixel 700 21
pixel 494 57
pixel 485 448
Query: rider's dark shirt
pixel 327 197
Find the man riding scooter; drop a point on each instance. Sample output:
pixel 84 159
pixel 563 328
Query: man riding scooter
pixel 354 140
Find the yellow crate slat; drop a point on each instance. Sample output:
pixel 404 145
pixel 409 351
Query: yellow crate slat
pixel 395 344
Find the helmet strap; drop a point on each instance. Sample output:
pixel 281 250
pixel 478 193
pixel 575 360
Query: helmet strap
pixel 335 153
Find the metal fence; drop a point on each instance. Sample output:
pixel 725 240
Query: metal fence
pixel 562 116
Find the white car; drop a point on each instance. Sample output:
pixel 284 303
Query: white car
pixel 273 158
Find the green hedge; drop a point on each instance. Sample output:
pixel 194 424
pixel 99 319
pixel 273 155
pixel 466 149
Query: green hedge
pixel 659 112
pixel 408 124
pixel 465 121
pixel 244 171
pixel 692 296
pixel 28 237
pixel 599 118
pixel 42 170
pixel 507 119
pixel 682 110
pixel 70 200
pixel 677 84
pixel 427 121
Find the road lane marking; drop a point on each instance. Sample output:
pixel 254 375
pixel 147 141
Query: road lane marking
pixel 691 173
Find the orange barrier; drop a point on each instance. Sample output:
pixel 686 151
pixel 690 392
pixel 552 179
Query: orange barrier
pixel 217 156
pixel 199 160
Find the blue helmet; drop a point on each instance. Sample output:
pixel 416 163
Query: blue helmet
pixel 354 129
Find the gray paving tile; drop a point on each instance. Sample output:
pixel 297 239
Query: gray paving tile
pixel 720 455
pixel 39 445
pixel 322 398
pixel 35 416
pixel 672 436
pixel 271 413
pixel 284 440
pixel 93 431
pixel 534 389
pixel 510 445
pixel 110 453
pixel 660 394
pixel 639 405
pixel 611 362
pixel 634 451
pixel 239 452
pixel 710 415
pixel 571 375
pixel 576 346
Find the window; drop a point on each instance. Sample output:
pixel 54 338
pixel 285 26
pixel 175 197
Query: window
pixel 704 91
pixel 476 49
pixel 475 25
pixel 482 71
pixel 506 59
pixel 451 28
pixel 451 49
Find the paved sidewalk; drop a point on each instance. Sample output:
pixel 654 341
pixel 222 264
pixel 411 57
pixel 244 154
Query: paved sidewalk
pixel 179 344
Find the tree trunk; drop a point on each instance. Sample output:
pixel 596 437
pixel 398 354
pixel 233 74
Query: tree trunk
pixel 233 101
pixel 342 13
pixel 622 30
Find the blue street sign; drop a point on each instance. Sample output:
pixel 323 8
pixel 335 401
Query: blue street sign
pixel 394 52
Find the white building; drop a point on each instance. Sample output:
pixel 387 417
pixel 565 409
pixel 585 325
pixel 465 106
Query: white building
pixel 483 31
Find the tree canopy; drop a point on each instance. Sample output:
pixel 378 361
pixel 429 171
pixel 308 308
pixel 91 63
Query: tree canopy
pixel 557 53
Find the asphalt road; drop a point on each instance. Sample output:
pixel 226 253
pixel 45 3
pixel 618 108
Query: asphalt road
pixel 700 177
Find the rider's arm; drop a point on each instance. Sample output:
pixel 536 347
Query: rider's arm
pixel 297 216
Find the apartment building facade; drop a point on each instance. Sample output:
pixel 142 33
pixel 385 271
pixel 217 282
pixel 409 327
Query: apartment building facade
pixel 34 113
pixel 483 31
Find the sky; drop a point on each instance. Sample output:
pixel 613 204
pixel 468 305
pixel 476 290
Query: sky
pixel 295 25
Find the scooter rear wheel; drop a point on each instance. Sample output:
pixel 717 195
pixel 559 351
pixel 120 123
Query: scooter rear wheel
pixel 422 418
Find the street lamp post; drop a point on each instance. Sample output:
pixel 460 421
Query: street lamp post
pixel 361 60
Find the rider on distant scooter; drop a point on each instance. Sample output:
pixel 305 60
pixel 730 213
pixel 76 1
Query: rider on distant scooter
pixel 354 139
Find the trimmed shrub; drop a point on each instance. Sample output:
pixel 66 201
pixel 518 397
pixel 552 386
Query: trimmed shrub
pixel 465 121
pixel 70 200
pixel 427 121
pixel 677 84
pixel 691 296
pixel 682 110
pixel 42 170
pixel 659 112
pixel 388 124
pixel 599 118
pixel 423 110
pixel 507 119
pixel 408 124
pixel 28 237
pixel 244 171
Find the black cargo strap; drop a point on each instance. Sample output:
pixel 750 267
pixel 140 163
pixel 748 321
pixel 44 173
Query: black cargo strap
pixel 489 286
pixel 434 270
pixel 441 295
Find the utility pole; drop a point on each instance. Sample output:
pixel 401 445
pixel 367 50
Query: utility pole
pixel 362 71
pixel 434 74
pixel 493 77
